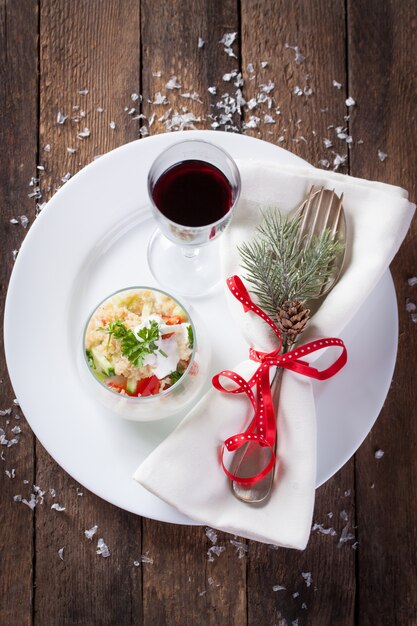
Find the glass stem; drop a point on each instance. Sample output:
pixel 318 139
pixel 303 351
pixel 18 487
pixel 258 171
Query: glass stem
pixel 190 252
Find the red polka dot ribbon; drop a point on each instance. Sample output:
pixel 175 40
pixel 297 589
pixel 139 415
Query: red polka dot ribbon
pixel 262 429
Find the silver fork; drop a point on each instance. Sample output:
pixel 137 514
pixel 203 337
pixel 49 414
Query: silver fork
pixel 321 210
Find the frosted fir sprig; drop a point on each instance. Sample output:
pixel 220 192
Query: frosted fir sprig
pixel 281 267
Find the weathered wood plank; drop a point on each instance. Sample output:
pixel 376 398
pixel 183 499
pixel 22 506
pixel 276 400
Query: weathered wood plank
pixel 183 586
pixel 268 28
pixel 93 46
pixel 170 37
pixel 329 599
pixel 81 49
pixel 18 132
pixel 308 102
pixel 381 37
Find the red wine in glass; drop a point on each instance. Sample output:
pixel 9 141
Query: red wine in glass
pixel 194 187
pixel 193 193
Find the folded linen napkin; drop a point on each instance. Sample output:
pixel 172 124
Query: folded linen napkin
pixel 378 217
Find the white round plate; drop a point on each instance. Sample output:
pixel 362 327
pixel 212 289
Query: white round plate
pixel 89 241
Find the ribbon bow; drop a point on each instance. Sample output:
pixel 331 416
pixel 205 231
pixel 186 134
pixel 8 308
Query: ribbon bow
pixel 263 429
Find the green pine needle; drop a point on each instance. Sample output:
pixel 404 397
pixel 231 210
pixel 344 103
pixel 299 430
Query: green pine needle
pixel 280 268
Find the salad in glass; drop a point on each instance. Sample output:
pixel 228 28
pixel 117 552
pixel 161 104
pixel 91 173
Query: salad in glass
pixel 141 346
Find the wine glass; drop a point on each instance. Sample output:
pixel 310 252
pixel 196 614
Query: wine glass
pixel 193 187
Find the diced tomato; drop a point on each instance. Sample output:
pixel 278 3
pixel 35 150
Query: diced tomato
pixel 148 386
pixel 167 336
pixel 145 387
pixel 116 386
pixel 172 320
pixel 103 322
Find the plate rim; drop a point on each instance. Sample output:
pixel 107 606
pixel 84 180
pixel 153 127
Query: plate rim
pixel 14 278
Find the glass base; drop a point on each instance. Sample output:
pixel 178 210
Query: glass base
pixel 186 271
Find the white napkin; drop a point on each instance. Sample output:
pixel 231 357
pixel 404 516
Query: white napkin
pixel 184 470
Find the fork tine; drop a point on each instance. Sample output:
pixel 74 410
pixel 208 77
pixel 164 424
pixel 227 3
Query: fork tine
pixel 336 205
pixel 305 208
pixel 338 216
pixel 328 212
pixel 315 217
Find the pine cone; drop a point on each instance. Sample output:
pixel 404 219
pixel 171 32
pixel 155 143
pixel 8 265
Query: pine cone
pixel 292 318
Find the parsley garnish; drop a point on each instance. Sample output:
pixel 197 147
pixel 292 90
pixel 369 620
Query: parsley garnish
pixel 133 348
pixel 118 329
pixel 190 337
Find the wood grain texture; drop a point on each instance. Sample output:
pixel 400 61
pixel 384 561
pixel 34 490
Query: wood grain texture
pixel 170 34
pixel 270 31
pixel 381 37
pixel 94 46
pixel 183 586
pixel 18 137
pixel 320 581
pixel 89 45
pixel 318 31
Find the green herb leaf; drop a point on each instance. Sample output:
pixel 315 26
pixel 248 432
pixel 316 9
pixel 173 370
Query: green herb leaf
pixel 118 329
pixel 190 337
pixel 150 334
pixel 136 350
pixel 133 348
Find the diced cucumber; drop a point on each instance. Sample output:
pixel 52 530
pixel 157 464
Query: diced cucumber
pixel 130 301
pixel 131 385
pixel 90 359
pixel 175 376
pixel 190 337
pixel 100 376
pixel 102 363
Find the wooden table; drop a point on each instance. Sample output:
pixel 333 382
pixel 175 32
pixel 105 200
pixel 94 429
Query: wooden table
pixel 50 51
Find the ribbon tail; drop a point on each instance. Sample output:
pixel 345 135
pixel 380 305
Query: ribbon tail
pixel 267 416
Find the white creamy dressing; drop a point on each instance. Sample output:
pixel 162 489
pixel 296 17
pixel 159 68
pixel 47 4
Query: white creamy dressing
pixel 163 365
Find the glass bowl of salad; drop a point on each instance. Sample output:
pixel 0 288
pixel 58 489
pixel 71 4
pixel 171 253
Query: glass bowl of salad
pixel 146 357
